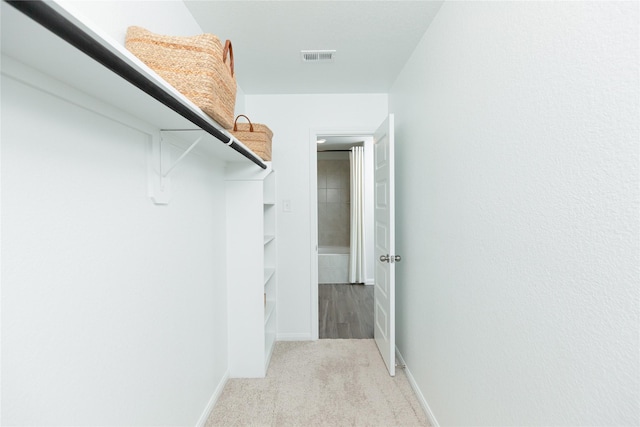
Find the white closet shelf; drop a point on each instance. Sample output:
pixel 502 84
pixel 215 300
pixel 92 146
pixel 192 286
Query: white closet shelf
pixel 85 58
pixel 268 272
pixel 268 310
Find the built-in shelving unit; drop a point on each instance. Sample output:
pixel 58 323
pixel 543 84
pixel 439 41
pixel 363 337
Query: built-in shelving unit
pixel 251 269
pixel 268 272
pixel 269 218
pixel 50 39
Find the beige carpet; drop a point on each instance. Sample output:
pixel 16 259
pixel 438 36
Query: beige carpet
pixel 321 383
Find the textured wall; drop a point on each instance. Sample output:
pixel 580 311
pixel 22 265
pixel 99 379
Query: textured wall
pixel 334 207
pixel 517 216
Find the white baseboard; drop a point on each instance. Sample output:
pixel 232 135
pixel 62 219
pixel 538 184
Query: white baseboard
pixel 294 337
pixel 212 402
pixel 423 402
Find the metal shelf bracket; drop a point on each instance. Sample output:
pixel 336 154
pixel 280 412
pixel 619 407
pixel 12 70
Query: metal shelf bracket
pixel 183 155
pixel 159 166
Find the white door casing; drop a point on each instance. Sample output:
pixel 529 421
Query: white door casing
pixel 385 257
pixel 314 133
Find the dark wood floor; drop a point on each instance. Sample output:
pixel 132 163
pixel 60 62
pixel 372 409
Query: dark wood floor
pixel 345 311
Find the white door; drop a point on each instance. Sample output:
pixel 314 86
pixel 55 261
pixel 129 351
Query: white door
pixel 385 256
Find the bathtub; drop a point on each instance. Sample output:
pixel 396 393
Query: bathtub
pixel 333 264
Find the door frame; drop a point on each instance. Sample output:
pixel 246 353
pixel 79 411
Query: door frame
pixel 313 208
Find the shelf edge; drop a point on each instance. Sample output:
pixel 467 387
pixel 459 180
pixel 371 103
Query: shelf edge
pixel 73 34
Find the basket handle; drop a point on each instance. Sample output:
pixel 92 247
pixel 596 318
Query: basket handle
pixel 235 124
pixel 228 48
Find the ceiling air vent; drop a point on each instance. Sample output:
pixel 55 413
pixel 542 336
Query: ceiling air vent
pixel 318 55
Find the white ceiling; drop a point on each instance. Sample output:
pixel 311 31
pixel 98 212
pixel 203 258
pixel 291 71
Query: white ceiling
pixel 373 40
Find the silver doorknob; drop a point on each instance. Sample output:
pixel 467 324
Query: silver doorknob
pixel 384 258
pixel 397 258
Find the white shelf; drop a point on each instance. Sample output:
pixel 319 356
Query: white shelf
pixel 251 269
pixel 269 309
pixel 268 273
pixel 29 43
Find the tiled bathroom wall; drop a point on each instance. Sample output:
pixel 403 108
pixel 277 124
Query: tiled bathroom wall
pixel 333 199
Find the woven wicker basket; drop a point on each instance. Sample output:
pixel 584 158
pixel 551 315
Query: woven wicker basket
pixel 255 136
pixel 196 66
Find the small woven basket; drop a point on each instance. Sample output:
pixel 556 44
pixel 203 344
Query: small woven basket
pixel 255 136
pixel 196 66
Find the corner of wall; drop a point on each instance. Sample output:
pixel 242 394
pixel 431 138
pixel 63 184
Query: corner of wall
pixel 416 389
pixel 202 421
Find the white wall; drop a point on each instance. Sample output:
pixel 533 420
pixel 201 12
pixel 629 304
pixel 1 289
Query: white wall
pixel 291 118
pixel 113 308
pixel 114 17
pixel 517 213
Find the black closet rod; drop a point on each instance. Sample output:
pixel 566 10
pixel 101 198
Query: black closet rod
pixel 49 18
